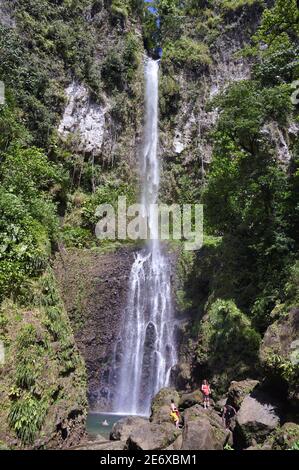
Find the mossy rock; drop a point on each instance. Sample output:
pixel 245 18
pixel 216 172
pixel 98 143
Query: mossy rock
pixel 161 405
pixel 227 345
pixel 239 390
pixel 279 352
pixel 286 437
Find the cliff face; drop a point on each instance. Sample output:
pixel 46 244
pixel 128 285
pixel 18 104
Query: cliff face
pixel 202 61
pixel 94 287
pixel 74 79
pixel 74 75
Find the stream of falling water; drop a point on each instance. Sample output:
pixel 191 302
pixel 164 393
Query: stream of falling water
pixel 146 351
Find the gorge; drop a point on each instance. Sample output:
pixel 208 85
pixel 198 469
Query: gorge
pixel 111 325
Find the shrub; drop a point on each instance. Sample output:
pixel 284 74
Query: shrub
pixel 188 52
pixel 26 417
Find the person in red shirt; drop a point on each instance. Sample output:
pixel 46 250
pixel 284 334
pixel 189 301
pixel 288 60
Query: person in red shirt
pixel 205 388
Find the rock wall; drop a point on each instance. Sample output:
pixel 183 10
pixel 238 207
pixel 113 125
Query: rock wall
pixel 94 287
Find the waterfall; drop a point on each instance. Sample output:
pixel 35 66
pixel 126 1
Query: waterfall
pixel 146 352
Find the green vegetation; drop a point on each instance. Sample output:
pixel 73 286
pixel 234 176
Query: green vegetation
pixel 36 368
pixel 187 52
pixel 250 197
pixel 228 345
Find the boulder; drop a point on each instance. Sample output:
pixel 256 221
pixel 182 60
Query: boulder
pixel 151 436
pixel 124 427
pixel 239 390
pixel 220 404
pixel 161 405
pixel 279 352
pixel 257 417
pixel 203 430
pixel 182 375
pixel 190 399
pixel 177 444
pixel 101 445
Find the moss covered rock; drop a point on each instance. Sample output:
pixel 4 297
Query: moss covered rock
pixel 279 352
pixel 161 405
pixel 239 390
pixel 203 430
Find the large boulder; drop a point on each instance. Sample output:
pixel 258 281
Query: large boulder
pixel 257 417
pixel 279 352
pixel 190 399
pixel 203 430
pixel 239 390
pixel 151 436
pixel 124 427
pixel 161 405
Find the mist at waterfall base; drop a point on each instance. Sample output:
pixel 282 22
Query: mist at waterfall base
pixel 145 351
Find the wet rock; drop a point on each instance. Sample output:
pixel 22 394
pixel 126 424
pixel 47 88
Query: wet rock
pixel 203 430
pixel 239 390
pixel 150 436
pixel 257 417
pixel 124 427
pixel 161 405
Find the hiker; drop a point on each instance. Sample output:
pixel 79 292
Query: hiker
pixel 228 413
pixel 175 415
pixel 205 388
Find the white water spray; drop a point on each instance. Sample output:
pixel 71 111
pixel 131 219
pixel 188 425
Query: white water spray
pixel 146 351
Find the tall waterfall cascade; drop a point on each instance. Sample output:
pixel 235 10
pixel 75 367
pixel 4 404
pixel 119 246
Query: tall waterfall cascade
pixel 145 352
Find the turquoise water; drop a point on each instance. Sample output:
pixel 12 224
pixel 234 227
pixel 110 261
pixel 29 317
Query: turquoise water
pixel 94 424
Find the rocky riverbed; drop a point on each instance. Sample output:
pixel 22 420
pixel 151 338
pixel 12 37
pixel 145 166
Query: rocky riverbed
pixel 260 423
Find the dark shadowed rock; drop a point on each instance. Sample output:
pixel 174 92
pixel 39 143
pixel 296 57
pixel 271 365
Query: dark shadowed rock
pixel 150 436
pixel 257 417
pixel 182 375
pixel 279 352
pixel 190 399
pixel 203 430
pixel 124 427
pixel 161 405
pixel 239 390
pixel 94 287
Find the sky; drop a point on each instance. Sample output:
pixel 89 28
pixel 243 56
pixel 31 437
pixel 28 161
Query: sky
pixel 153 10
